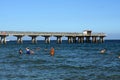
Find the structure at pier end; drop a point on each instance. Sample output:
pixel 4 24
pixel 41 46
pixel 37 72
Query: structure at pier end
pixel 73 37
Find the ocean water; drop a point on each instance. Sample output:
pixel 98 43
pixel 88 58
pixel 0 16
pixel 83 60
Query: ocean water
pixel 76 61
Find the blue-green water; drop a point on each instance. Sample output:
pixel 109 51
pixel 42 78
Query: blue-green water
pixel 71 61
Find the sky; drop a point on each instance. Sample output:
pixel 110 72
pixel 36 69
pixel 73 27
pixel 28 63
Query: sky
pixel 61 16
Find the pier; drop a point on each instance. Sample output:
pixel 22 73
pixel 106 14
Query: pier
pixel 73 37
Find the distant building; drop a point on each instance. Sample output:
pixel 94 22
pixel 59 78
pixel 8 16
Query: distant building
pixel 87 32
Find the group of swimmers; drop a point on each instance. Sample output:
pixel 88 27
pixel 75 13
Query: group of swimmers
pixel 52 51
pixel 29 51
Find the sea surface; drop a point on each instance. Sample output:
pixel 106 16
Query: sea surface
pixel 75 61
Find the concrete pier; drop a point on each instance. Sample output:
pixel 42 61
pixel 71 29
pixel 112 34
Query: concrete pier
pixel 73 37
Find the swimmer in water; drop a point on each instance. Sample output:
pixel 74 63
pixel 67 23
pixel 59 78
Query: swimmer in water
pixel 118 56
pixel 103 51
pixel 27 51
pixel 20 51
pixel 31 52
pixel 52 51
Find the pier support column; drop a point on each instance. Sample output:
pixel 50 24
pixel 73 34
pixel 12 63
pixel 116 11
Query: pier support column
pixel 19 39
pixel 74 39
pixel 0 39
pixel 47 39
pixel 34 39
pixel 87 39
pixel 101 39
pixel 3 39
pixel 80 39
pixel 59 39
pixel 94 39
pixel 70 39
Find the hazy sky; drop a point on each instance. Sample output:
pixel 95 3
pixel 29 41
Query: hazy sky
pixel 61 16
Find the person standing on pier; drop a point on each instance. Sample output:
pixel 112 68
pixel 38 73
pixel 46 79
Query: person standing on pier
pixel 52 51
